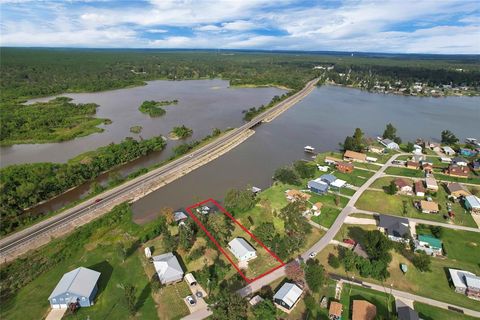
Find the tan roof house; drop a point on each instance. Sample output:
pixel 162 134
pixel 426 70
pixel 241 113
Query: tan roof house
pixel 429 206
pixel 295 195
pixel 335 310
pixel 431 184
pixel 363 310
pixel 403 186
pixel 354 156
pixel 457 190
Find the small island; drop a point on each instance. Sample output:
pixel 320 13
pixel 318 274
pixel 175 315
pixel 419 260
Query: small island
pixel 154 108
pixel 136 129
pixel 180 132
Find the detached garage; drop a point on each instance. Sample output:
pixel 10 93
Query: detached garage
pixel 77 287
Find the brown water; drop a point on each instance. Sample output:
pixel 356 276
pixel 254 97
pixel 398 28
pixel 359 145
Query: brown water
pixel 322 120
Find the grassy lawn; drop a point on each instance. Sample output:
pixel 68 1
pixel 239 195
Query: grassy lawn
pixel 320 159
pixel 384 302
pixel 171 304
pixel 347 192
pixel 329 199
pixel 327 217
pixel 428 312
pixel 381 158
pixel 353 232
pixel 357 178
pixel 94 246
pixel 383 182
pixel 381 202
pixel 474 179
pixel 362 215
pixel 406 172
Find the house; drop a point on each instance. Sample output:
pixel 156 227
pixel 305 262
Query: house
pixel 468 152
pixel 431 184
pixel 429 206
pixel 419 189
pixel 317 209
pixel 476 165
pixel 354 156
pixel 445 160
pixel 317 186
pixel 413 165
pixel 179 216
pixel 472 203
pixel 242 250
pixel 323 168
pixel 459 161
pixel 433 146
pixel 255 300
pixel 363 310
pixel 417 148
pixel 78 286
pixel 465 282
pixel 376 149
pixel 427 168
pixel 389 144
pixel 331 160
pixel 337 184
pixel 396 228
pixel 345 167
pixel 448 151
pixel 428 244
pixel 328 178
pixel 295 195
pixel 287 296
pixel 168 268
pixel 457 190
pixel 404 312
pixel 418 157
pixel 403 186
pixel 457 171
pixel 335 310
pixel 371 159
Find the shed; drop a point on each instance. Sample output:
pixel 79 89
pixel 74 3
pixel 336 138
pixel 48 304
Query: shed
pixel 288 295
pixel 77 286
pixel 148 252
pixel 242 250
pixel 419 189
pixel 190 279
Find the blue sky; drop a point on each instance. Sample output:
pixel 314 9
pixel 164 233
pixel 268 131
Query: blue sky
pixel 398 26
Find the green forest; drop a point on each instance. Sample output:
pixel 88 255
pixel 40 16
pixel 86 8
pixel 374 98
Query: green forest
pixel 24 185
pixel 56 120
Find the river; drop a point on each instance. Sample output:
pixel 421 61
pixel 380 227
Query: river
pixel 322 120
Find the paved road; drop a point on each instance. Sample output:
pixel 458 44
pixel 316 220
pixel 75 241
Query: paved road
pixel 9 244
pixel 410 296
pixel 325 240
pixel 430 222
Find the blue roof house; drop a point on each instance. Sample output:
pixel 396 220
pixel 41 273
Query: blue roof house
pixel 317 186
pixel 77 286
pixel 328 178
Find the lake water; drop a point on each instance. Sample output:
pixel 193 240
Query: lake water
pixel 202 106
pixel 322 120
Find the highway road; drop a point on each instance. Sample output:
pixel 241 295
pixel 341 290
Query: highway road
pixel 10 244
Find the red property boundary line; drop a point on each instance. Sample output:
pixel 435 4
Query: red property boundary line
pixel 197 221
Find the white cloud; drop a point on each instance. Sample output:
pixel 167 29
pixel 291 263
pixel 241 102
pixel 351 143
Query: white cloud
pixel 157 30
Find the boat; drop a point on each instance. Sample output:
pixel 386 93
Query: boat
pixel 309 149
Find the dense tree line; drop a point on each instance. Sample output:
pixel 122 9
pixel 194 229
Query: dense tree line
pixel 56 120
pixel 25 185
pixel 182 132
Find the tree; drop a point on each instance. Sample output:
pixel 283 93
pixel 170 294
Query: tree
pixel 229 305
pixel 409 147
pixel 186 235
pixel 294 272
pixel 169 214
pixel 355 142
pixel 265 310
pixel 437 231
pixel 448 137
pixel 314 274
pixel 305 169
pixel 422 261
pixel 377 246
pixel 266 233
pixel 130 291
pixel 286 175
pixel 390 132
pixel 121 251
pixel 239 200
pixel 220 226
pixel 392 188
pixel 348 259
pixel 333 261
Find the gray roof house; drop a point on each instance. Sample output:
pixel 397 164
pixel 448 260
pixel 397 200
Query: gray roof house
pixel 404 312
pixel 328 178
pixel 179 216
pixel 317 186
pixel 288 295
pixel 396 228
pixel 465 282
pixel 77 286
pixel 168 268
pixel 390 144
pixel 242 250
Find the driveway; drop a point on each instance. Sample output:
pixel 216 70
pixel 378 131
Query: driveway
pixel 56 314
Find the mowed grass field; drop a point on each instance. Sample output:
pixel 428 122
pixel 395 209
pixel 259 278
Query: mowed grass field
pixel 428 312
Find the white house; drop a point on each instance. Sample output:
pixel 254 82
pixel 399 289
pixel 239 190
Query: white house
pixel 431 184
pixel 389 144
pixel 168 268
pixel 459 161
pixel 472 203
pixel 242 250
pixel 448 151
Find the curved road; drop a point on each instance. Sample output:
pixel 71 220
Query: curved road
pixel 9 244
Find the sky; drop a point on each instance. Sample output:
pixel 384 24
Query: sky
pixel 390 26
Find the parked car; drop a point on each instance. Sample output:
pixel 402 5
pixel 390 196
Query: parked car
pixel 191 301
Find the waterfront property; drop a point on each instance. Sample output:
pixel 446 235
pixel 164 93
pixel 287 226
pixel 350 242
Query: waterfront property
pixel 287 296
pixel 242 250
pixel 397 229
pixel 168 268
pixel 318 186
pixel 295 195
pixel 363 310
pixel 472 203
pixel 345 167
pixel 77 287
pixel 354 156
pixel 448 151
pixel 465 282
pixel 389 144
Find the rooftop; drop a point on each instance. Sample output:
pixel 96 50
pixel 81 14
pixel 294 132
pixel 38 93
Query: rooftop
pixel 432 241
pixel 288 293
pixel 335 308
pixel 241 247
pixel 363 310
pixel 80 281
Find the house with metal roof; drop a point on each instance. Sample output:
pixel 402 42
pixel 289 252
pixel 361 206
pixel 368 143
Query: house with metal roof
pixel 287 296
pixel 465 282
pixel 78 286
pixel 328 178
pixel 168 268
pixel 448 151
pixel 396 228
pixel 179 216
pixel 472 203
pixel 317 186
pixel 350 155
pixel 428 244
pixel 431 184
pixel 242 250
pixel 405 312
pixel 389 144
